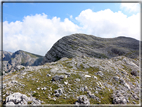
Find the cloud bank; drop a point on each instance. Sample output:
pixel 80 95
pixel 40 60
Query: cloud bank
pixel 38 33
pixel 130 7
pixel 107 23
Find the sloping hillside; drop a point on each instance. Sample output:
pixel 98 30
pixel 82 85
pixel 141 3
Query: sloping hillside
pixel 92 46
pixel 100 81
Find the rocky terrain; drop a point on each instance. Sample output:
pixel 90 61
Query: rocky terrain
pixel 100 81
pixel 11 60
pixel 92 46
pixel 106 72
pixel 6 55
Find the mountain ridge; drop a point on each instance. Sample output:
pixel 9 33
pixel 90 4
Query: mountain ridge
pixel 21 57
pixel 92 46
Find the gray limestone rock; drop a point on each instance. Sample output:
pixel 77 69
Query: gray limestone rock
pixel 100 73
pixel 57 77
pixel 18 67
pixel 135 96
pixel 134 72
pixel 91 46
pixel 82 99
pixel 58 92
pixel 122 81
pixel 48 75
pixel 20 99
pixel 82 89
pixel 77 79
pixel 91 95
pixel 116 78
pixel 118 98
pixel 85 88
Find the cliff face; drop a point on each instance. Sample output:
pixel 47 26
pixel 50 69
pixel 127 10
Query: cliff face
pixel 7 55
pixel 91 46
pixel 23 58
pixel 19 58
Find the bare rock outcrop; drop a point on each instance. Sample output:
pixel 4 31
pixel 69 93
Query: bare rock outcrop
pixel 92 46
pixel 18 58
pixel 20 99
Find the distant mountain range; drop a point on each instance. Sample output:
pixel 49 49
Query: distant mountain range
pixel 11 60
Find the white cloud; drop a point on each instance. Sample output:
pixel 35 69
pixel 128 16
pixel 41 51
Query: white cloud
pixel 35 33
pixel 130 7
pixel 38 33
pixel 71 16
pixel 107 23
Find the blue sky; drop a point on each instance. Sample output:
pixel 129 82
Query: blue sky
pixel 35 27
pixel 16 11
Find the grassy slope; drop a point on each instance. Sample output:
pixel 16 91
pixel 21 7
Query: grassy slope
pixel 38 79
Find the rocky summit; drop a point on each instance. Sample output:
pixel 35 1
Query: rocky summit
pixel 80 70
pixel 92 46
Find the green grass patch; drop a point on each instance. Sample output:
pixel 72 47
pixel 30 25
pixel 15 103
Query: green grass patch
pixel 105 96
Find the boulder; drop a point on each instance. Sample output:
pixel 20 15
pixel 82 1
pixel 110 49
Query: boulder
pixel 135 73
pixel 65 82
pixel 87 76
pixel 20 99
pixel 135 96
pixel 127 86
pixel 77 79
pixel 14 81
pixel 122 81
pixel 48 75
pixel 44 88
pixel 82 99
pixel 58 92
pixel 95 77
pixel 91 95
pixel 82 89
pixel 85 88
pixel 116 78
pixel 18 67
pixel 57 77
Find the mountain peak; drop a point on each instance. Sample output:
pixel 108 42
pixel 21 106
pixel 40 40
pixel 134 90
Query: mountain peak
pixel 20 57
pixel 92 46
